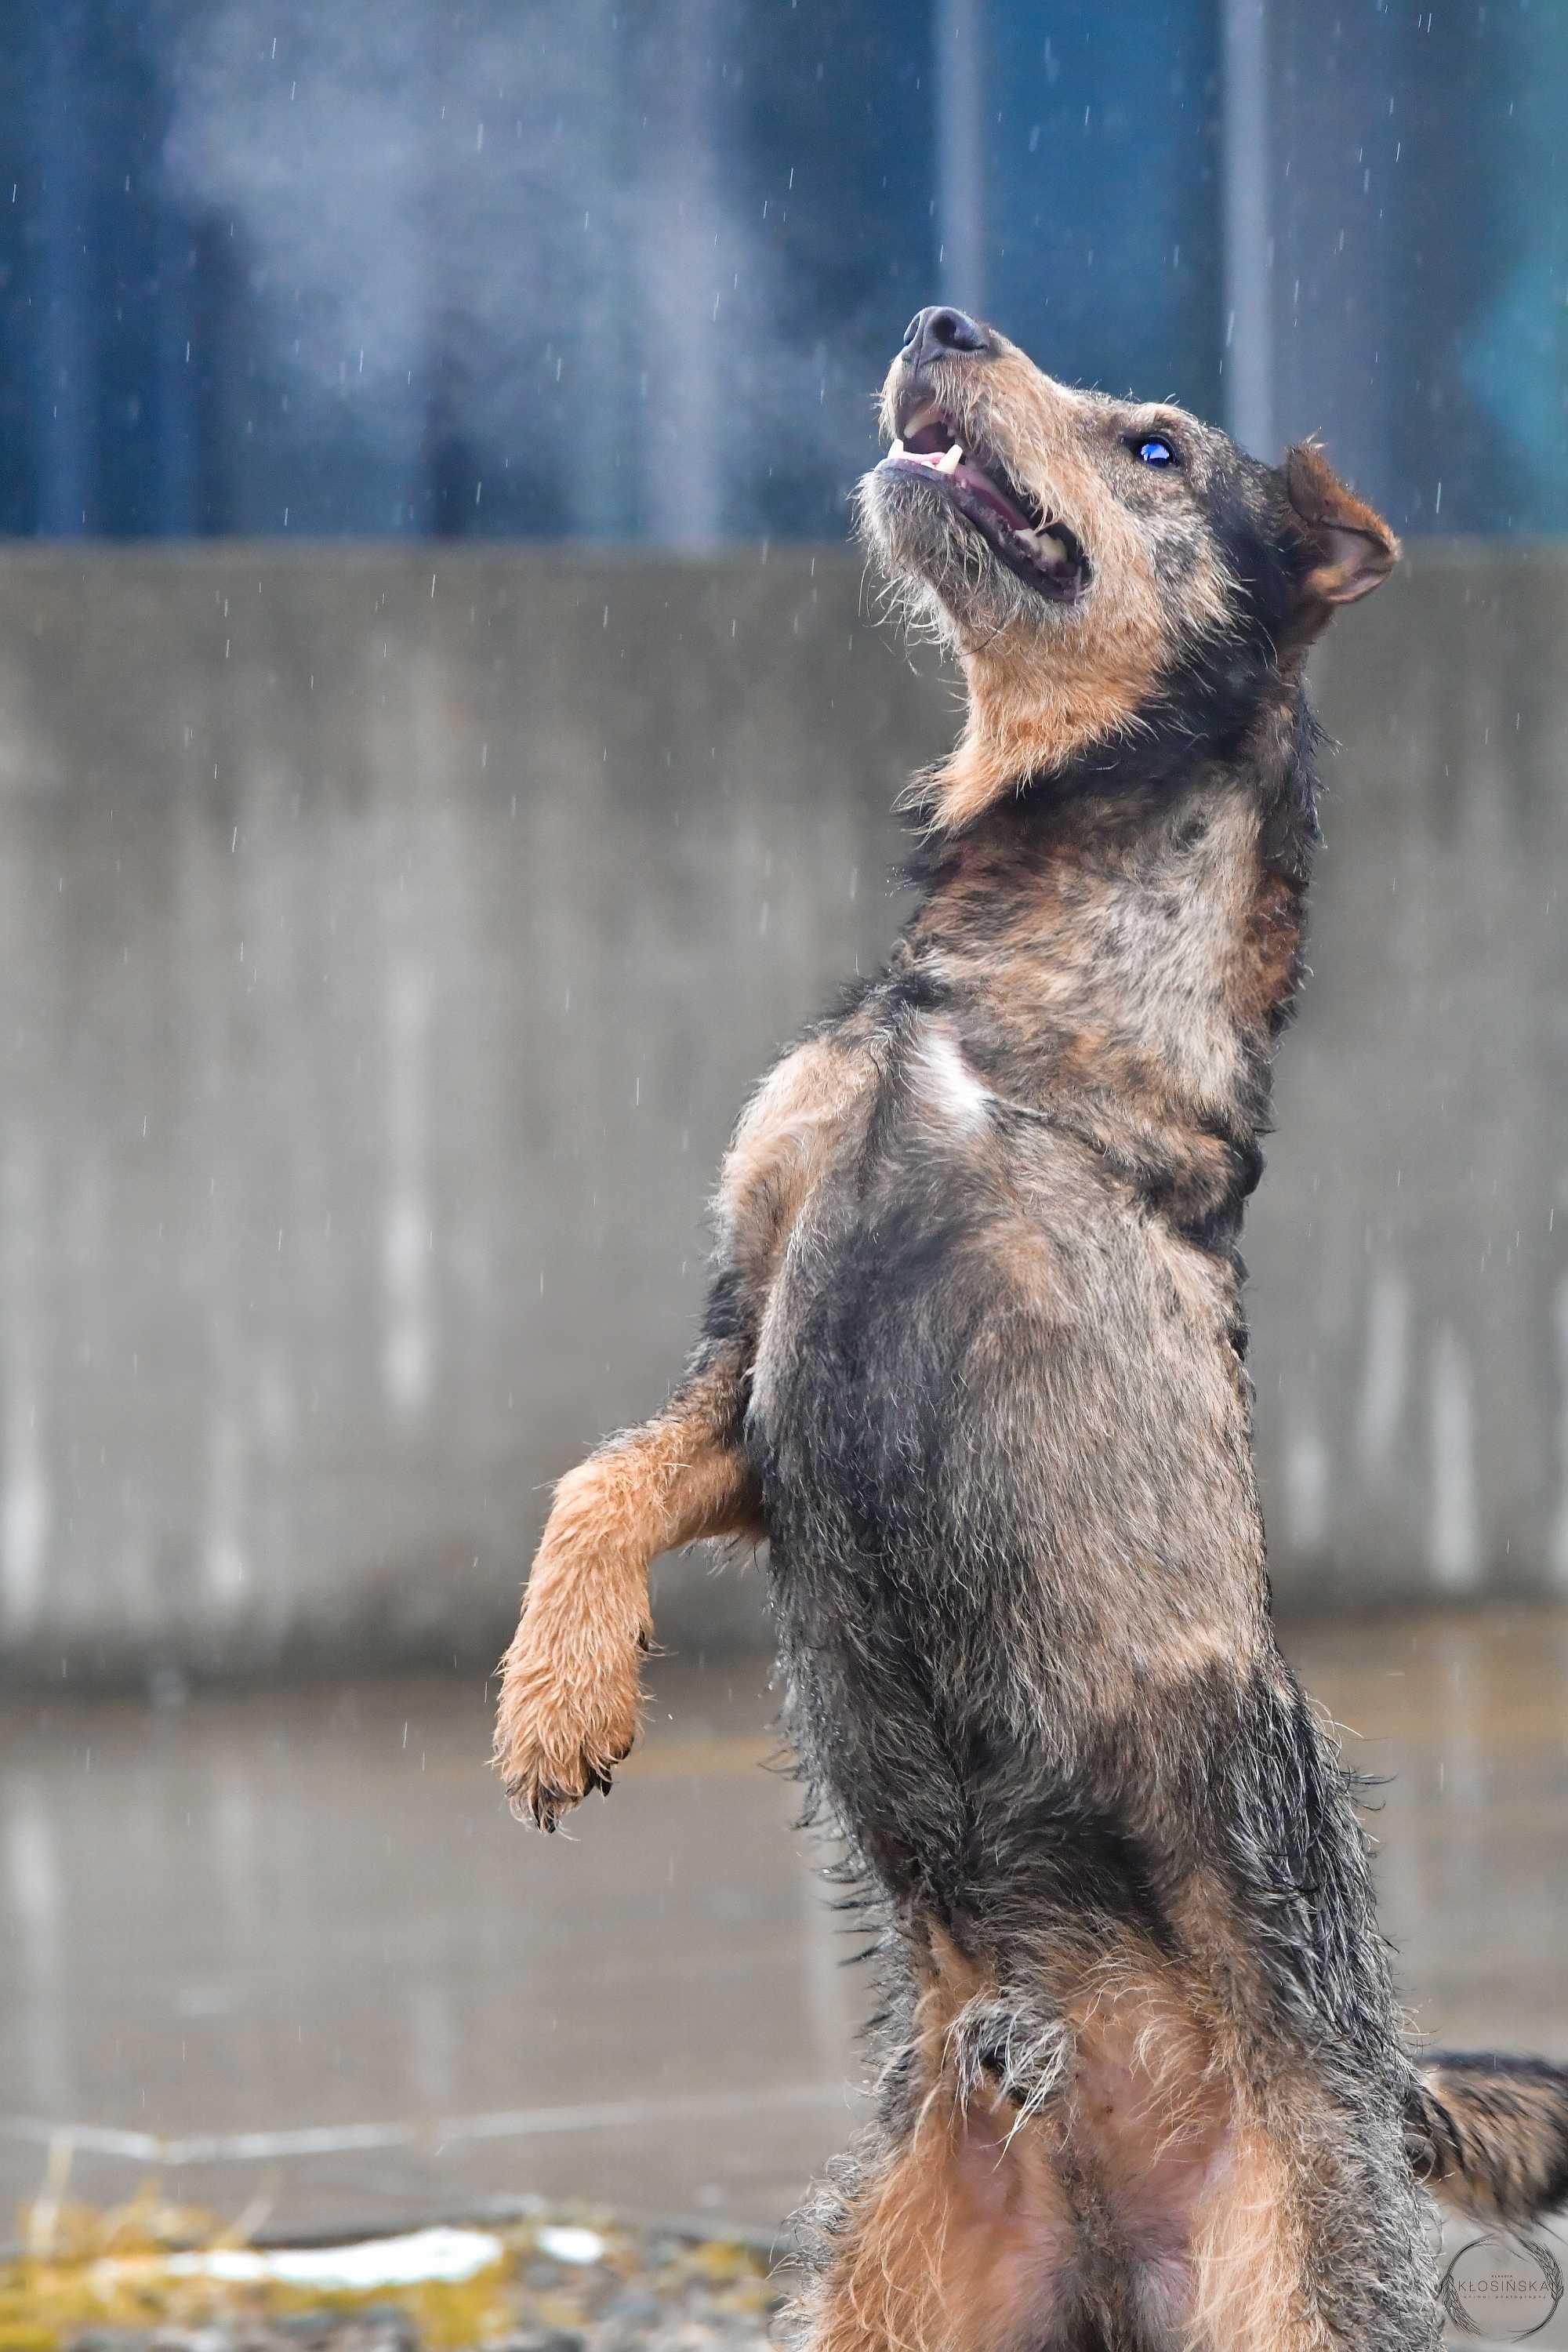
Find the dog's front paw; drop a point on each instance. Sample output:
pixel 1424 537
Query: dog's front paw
pixel 568 1714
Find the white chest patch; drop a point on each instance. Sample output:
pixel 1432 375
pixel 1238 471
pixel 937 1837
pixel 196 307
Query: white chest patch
pixel 946 1081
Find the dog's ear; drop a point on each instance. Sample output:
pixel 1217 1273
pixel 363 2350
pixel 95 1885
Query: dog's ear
pixel 1346 549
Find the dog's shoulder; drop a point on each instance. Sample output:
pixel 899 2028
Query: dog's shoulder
pixel 814 1098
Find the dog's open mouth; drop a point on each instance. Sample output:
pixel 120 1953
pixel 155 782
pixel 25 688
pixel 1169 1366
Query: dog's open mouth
pixel 1038 546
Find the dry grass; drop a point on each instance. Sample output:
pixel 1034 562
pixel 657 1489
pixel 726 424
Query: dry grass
pixel 83 2270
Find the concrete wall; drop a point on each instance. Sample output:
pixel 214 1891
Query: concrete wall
pixel 387 940
pixel 1410 1245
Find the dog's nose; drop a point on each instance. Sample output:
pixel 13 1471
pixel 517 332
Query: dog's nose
pixel 938 330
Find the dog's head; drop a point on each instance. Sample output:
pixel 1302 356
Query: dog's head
pixel 1097 563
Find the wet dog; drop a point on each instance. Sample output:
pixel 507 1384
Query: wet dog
pixel 974 1360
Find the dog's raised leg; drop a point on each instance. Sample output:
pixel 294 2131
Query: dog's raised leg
pixel 570 1683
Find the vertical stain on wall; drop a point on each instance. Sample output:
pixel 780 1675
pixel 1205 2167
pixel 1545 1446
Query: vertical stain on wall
pixel 1386 1379
pixel 1456 1536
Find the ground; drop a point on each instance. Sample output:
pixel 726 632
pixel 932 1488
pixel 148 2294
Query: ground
pixel 549 2282
pixel 285 1955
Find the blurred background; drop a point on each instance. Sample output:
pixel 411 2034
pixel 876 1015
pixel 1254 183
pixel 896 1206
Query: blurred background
pixel 446 746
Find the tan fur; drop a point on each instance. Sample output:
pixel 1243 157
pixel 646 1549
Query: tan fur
pixel 1509 2129
pixel 954 2251
pixel 570 1683
pixel 1250 2256
pixel 571 1697
pixel 983 2227
pixel 1270 2178
pixel 1037 694
pixel 1094 927
pixel 953 2242
pixel 1354 548
pixel 788 1130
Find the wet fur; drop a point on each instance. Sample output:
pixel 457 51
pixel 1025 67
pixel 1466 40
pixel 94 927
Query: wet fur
pixel 973 1358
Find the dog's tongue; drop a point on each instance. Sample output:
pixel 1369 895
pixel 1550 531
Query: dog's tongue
pixel 983 487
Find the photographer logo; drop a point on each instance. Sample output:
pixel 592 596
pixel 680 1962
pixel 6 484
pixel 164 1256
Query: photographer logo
pixel 1505 2289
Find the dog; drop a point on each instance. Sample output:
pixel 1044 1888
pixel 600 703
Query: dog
pixel 973 1362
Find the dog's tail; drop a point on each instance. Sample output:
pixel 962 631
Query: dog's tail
pixel 1489 2134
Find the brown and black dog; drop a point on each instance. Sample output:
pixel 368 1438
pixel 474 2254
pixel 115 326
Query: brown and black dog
pixel 973 1362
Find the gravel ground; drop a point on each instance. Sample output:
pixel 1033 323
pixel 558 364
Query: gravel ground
pixel 553 2282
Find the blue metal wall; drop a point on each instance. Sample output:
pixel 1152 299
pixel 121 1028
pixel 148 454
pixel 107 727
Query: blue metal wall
pixel 622 272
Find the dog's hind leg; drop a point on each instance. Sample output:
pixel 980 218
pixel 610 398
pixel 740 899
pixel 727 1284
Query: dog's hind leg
pixel 1251 2259
pixel 953 2232
pixel 953 2242
pixel 1299 2248
pixel 570 1683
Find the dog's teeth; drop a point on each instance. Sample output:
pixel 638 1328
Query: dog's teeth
pixel 897 450
pixel 1044 546
pixel 953 459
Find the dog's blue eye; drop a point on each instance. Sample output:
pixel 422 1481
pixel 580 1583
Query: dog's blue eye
pixel 1156 453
